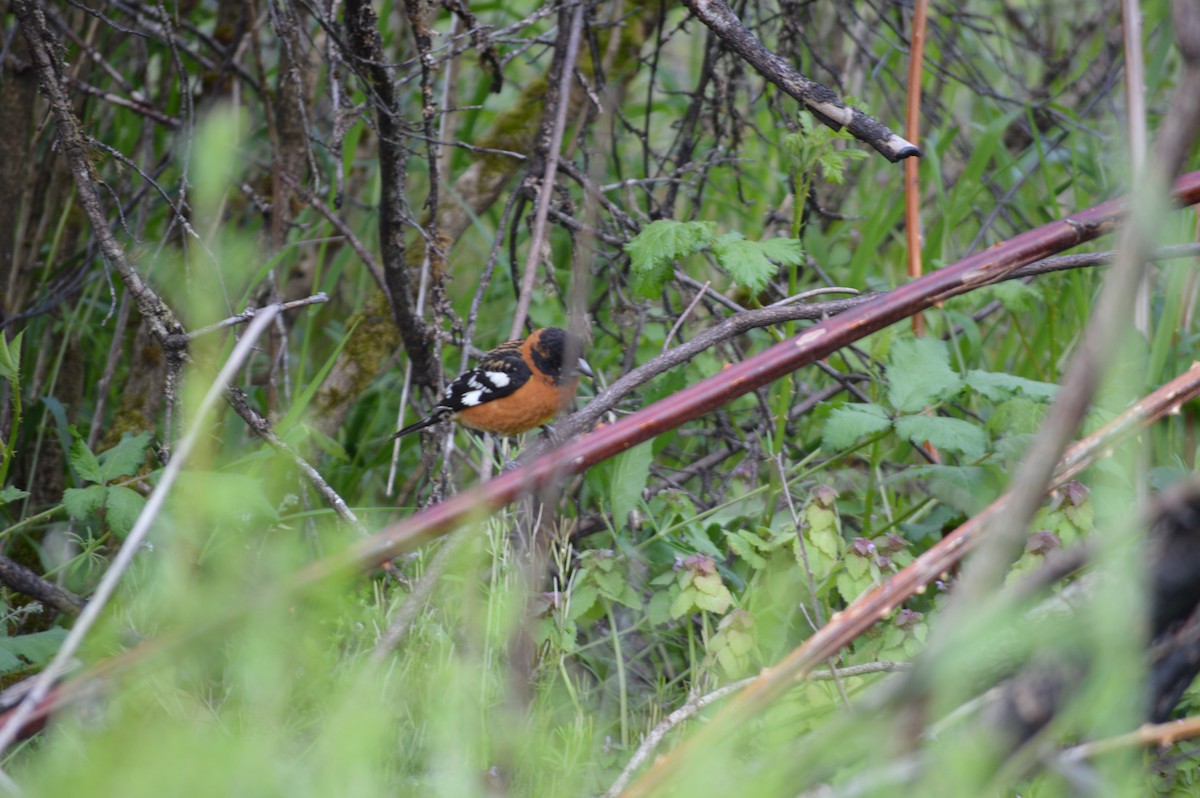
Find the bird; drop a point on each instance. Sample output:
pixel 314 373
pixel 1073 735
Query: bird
pixel 519 385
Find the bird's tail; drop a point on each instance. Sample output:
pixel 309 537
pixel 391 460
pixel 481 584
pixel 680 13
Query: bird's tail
pixel 428 421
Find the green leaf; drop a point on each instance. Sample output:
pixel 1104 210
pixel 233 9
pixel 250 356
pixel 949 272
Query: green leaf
pixel 786 251
pixel 652 251
pixel 84 502
pixel 851 421
pixel 1016 417
pixel 35 649
pixel 747 261
pixel 582 599
pixel 684 603
pixel 121 509
pixel 919 374
pixel 630 475
pixel 965 488
pixel 10 357
pixel 124 459
pixel 84 462
pixel 998 386
pixel 745 550
pixel 658 610
pixel 11 494
pixel 947 434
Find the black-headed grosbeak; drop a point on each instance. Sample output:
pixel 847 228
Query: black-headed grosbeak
pixel 517 386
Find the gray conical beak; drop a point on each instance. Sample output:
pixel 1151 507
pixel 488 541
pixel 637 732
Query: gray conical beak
pixel 583 368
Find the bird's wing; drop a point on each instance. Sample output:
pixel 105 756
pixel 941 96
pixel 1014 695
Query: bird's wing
pixel 501 372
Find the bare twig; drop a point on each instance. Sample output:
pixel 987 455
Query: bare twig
pixel 249 313
pixel 698 702
pixel 17 577
pixel 551 150
pixel 821 100
pixel 133 541
pixel 878 603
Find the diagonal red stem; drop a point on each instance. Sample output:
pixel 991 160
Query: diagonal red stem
pixel 814 343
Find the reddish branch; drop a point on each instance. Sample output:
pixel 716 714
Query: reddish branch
pixel 870 608
pixel 822 339
pixel 1000 262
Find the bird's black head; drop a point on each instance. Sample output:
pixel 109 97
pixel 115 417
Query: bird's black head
pixel 557 353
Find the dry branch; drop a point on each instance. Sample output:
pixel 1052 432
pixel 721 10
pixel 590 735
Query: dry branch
pixel 985 268
pixel 869 609
pixel 820 99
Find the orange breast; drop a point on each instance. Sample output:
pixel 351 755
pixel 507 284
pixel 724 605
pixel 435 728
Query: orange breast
pixel 532 405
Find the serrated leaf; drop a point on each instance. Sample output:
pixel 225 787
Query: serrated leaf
pixel 124 459
pixel 658 609
pixel 919 374
pixel 11 493
pixel 660 243
pixel 18 653
pixel 965 488
pixel 742 548
pixel 10 357
pixel 84 462
pixel 121 509
pixel 716 603
pixel 848 423
pixel 684 602
pixel 1016 417
pixel 998 386
pixel 582 599
pixel 786 251
pixel 947 434
pixel 744 260
pixel 630 475
pixel 611 583
pixel 83 502
pixel 630 598
pixel 708 583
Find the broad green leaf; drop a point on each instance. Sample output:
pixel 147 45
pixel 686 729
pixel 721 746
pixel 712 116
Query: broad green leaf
pixel 947 434
pixel 744 260
pixel 83 502
pixel 967 489
pixel 630 475
pixel 1018 416
pixel 124 459
pixel 848 423
pixel 919 374
pixel 84 462
pixel 998 386
pixel 747 261
pixel 121 509
pixel 660 243
pixel 18 653
pixel 10 357
pixel 582 599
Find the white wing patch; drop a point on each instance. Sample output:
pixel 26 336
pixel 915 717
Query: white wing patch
pixel 498 379
pixel 472 398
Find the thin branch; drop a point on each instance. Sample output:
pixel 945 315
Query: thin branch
pixel 698 702
pixel 552 148
pixel 133 541
pixel 865 611
pixel 821 100
pixel 249 313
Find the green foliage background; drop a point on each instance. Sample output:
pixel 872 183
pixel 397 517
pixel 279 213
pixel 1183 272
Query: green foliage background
pixel 698 559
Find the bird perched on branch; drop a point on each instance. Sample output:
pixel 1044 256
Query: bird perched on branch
pixel 517 386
